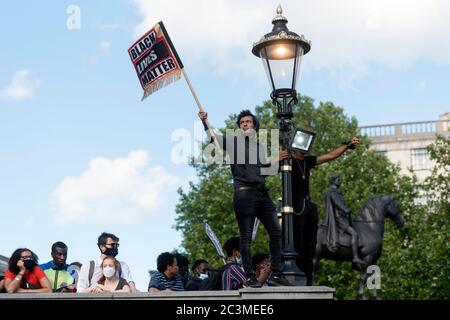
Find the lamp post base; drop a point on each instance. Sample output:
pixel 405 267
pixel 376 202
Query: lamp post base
pixel 293 273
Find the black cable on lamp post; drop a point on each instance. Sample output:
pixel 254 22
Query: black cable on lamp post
pixel 281 52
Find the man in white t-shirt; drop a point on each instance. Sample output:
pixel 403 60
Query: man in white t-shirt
pixel 91 271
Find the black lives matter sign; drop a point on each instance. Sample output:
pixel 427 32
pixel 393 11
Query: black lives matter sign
pixel 155 60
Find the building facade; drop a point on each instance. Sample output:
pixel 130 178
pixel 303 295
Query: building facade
pixel 406 143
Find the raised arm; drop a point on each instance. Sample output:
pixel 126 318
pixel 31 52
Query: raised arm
pixel 209 131
pixel 13 285
pixel 338 151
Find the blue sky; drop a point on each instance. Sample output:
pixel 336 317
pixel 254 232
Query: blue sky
pixel 81 154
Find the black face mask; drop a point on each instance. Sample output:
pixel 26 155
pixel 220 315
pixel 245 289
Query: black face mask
pixel 29 264
pixel 111 252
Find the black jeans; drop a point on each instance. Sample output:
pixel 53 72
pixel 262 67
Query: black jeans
pixel 250 204
pixel 305 231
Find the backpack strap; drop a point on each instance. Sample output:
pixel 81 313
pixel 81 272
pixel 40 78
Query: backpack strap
pixel 120 269
pixel 91 270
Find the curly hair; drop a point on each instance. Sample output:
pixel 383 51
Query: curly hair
pixel 15 257
pixel 259 258
pixel 230 245
pixel 245 113
pixel 164 259
pixel 104 237
pixel 197 263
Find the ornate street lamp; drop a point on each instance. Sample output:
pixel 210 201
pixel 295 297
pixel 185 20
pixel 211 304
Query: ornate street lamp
pixel 281 52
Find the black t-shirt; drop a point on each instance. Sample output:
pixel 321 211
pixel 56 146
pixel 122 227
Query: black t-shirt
pixel 122 283
pixel 247 160
pixel 300 175
pixel 193 284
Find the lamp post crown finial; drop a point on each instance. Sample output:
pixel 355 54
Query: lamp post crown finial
pixel 279 16
pixel 279 10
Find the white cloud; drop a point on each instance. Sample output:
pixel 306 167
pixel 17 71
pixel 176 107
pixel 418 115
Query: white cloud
pixel 347 36
pixel 105 46
pixel 22 86
pixel 120 189
pixel 219 33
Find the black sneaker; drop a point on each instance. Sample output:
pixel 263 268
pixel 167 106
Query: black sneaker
pixel 253 283
pixel 278 280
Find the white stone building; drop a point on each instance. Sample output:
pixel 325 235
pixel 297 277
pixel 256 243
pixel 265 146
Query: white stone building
pixel 406 143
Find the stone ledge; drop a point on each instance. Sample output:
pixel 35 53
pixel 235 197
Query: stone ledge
pixel 266 293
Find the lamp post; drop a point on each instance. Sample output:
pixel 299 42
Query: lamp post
pixel 281 52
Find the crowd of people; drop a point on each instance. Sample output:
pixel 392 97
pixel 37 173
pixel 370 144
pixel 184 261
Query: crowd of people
pixel 108 274
pixel 251 200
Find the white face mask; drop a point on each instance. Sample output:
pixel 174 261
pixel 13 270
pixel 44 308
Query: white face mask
pixel 109 271
pixel 203 276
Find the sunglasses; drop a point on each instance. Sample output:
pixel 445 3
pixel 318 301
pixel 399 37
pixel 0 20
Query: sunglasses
pixel 114 245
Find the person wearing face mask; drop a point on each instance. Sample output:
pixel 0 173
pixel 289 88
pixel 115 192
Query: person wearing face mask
pixel 200 271
pixel 24 274
pixel 251 199
pixel 91 271
pixel 233 276
pixel 109 281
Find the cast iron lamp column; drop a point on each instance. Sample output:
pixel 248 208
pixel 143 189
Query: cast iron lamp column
pixel 281 51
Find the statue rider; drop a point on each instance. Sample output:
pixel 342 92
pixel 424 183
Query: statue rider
pixel 338 218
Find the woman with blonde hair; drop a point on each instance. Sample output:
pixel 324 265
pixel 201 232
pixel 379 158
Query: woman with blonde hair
pixel 110 280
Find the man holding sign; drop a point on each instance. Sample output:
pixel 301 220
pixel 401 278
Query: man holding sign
pixel 157 64
pixel 251 199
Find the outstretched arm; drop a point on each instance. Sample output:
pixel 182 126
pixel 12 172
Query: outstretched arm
pixel 337 152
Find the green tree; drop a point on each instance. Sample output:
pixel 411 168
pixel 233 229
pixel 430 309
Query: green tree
pixel 420 270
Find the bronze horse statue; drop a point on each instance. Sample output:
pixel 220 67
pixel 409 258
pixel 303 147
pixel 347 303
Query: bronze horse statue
pixel 369 223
